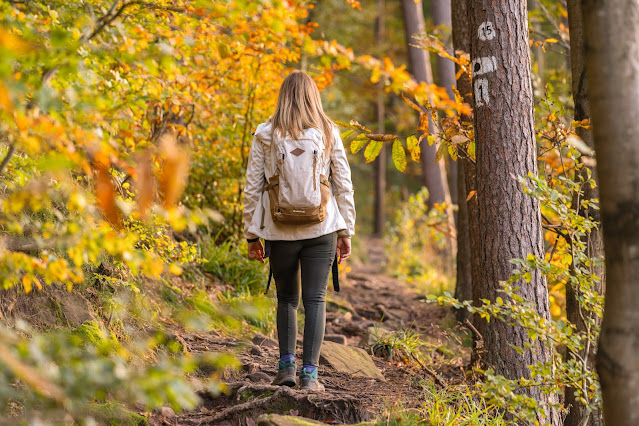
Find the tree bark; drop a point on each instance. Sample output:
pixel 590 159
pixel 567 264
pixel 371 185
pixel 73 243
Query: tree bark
pixel 380 161
pixel 611 29
pixel 433 175
pixel 441 14
pixel 467 216
pixel 578 412
pixel 510 221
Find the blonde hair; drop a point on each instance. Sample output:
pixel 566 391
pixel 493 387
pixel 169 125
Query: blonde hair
pixel 299 107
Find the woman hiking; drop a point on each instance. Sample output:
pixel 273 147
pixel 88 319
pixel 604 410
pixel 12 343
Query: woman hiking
pixel 299 199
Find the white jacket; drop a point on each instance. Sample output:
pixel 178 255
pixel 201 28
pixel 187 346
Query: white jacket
pixel 340 211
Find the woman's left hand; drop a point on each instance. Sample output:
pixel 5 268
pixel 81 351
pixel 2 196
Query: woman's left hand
pixel 343 248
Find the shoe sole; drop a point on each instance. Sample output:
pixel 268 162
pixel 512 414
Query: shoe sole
pixel 286 382
pixel 310 389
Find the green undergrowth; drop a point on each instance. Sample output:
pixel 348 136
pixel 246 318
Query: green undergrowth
pixel 114 414
pixel 133 350
pixel 416 247
pixel 450 406
pixel 244 282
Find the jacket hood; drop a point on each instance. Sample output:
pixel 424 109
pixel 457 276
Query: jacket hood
pixel 265 132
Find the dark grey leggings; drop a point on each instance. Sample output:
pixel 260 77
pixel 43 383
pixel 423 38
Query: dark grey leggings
pixel 315 257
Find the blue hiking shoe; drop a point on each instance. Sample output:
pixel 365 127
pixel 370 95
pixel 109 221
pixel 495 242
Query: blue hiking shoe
pixel 286 374
pixel 309 381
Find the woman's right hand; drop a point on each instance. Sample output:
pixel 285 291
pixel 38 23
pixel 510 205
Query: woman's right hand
pixel 343 248
pixel 256 251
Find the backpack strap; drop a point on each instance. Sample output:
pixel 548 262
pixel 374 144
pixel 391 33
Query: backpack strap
pixel 335 272
pixel 267 254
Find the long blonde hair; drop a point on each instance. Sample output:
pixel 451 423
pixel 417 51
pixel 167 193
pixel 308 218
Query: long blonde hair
pixel 299 107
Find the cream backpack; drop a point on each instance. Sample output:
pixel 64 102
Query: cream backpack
pixel 298 191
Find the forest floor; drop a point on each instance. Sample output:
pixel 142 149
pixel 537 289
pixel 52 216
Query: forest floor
pixel 369 303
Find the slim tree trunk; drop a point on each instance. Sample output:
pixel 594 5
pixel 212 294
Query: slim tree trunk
pixel 510 221
pixel 467 217
pixel 611 29
pixel 579 412
pixel 441 13
pixel 380 161
pixel 432 173
pixel 464 286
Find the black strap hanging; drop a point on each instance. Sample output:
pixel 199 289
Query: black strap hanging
pixel 267 254
pixel 335 275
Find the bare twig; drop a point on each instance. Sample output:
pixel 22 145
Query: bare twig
pixel 7 158
pixel 432 373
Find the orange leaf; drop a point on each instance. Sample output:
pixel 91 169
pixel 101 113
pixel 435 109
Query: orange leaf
pixel 471 194
pixel 174 172
pixel 411 104
pixel 423 123
pixel 105 194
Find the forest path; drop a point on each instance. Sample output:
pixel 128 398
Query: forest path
pixel 368 299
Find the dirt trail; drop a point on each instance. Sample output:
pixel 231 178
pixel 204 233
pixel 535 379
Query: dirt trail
pixel 368 298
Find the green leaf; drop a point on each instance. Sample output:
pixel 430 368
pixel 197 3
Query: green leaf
pixel 412 144
pixel 358 143
pixel 399 156
pixel 372 150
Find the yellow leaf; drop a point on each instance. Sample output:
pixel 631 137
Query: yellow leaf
pixel 372 150
pixel 358 143
pixel 552 40
pixel 413 147
pixel 471 194
pixel 399 156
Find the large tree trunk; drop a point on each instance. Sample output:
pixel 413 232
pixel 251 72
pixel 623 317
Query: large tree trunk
pixel 441 13
pixel 380 161
pixel 433 173
pixel 578 412
pixel 611 29
pixel 467 217
pixel 510 221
